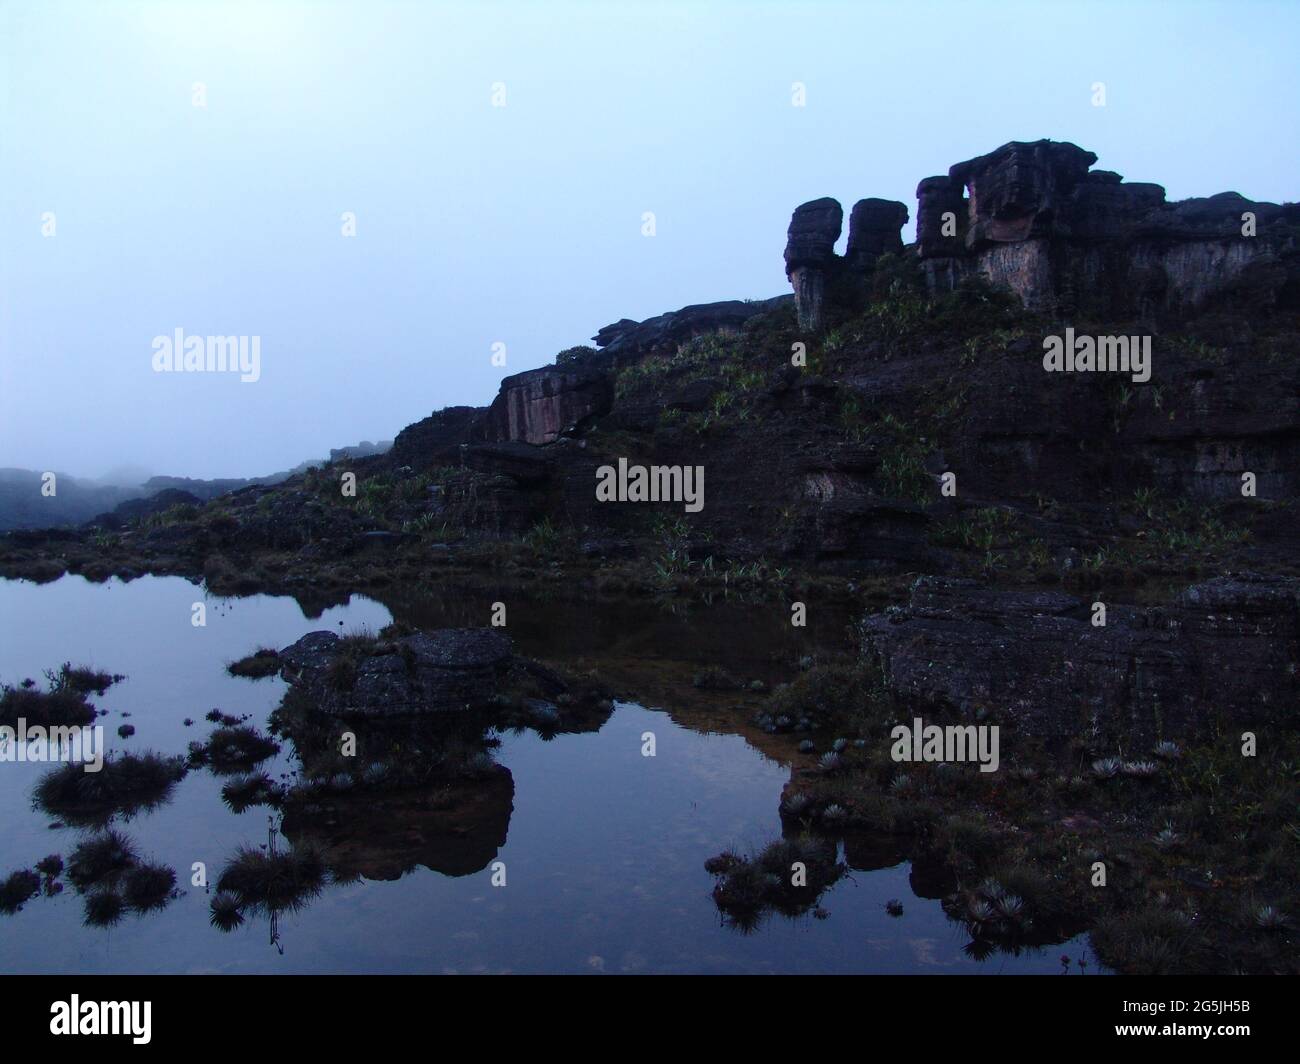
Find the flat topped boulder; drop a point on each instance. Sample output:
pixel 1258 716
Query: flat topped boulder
pixel 437 671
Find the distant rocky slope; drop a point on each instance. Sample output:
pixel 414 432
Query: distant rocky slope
pixel 79 500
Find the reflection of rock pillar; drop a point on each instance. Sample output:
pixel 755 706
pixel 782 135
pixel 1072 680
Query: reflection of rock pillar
pixel 810 256
pixel 875 229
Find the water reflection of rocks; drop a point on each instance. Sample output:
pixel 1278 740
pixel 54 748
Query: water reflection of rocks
pixel 394 736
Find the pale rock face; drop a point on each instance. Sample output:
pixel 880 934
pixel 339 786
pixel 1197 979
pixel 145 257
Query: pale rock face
pixel 540 406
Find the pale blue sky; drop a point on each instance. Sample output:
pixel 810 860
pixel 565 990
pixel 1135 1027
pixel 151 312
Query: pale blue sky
pixel 519 224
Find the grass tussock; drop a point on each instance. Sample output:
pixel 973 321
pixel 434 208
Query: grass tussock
pixel 231 749
pixel 262 662
pixel 17 888
pixel 787 876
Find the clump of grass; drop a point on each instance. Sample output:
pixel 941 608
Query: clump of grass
pixel 262 662
pixel 851 695
pixel 101 860
pixel 715 678
pixel 125 784
pixel 274 881
pixel 1270 918
pixel 233 749
pixel 17 888
pixel 1147 941
pixel 1107 768
pixel 787 876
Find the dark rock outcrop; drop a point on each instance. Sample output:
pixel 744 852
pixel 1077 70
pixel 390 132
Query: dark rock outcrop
pixel 1033 217
pixel 436 440
pixel 440 671
pixel 1222 650
pixel 627 341
pixel 810 257
pixel 875 229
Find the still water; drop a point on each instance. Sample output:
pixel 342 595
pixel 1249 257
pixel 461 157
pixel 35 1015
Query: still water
pixel 604 849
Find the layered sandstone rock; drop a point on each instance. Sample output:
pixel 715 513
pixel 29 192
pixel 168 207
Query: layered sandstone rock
pixel 810 257
pixel 1037 220
pixel 627 340
pixel 1222 650
pixel 875 229
pixel 542 405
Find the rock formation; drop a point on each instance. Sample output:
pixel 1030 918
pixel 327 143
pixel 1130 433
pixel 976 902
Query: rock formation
pixel 446 670
pixel 1220 651
pixel 875 229
pixel 626 340
pixel 541 405
pixel 810 257
pixel 1034 218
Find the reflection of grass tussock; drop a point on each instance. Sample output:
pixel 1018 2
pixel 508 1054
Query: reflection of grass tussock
pixel 104 908
pixel 82 678
pixel 274 881
pixel 225 912
pixel 57 706
pixel 109 872
pixel 233 749
pixel 17 888
pixel 102 859
pixel 249 789
pixel 148 886
pixel 124 784
pixel 264 661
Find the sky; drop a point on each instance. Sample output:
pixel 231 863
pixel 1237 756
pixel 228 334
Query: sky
pixel 192 166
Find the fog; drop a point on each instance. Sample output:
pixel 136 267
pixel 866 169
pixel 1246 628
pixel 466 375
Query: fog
pixel 196 167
